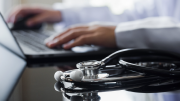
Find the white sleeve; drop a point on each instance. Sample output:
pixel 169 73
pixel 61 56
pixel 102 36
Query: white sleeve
pixel 140 10
pixel 85 15
pixel 155 33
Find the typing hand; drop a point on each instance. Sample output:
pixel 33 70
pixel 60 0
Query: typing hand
pixel 41 15
pixel 94 34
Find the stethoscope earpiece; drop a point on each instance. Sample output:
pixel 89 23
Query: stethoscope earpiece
pixel 57 75
pixel 75 75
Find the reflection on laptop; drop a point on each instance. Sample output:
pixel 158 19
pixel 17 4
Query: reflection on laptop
pixel 11 68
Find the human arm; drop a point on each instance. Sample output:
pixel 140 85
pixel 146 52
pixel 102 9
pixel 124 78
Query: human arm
pixel 155 33
pixel 83 35
pixel 42 15
pixel 140 10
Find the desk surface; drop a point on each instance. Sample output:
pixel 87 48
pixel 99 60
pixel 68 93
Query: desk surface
pixel 37 84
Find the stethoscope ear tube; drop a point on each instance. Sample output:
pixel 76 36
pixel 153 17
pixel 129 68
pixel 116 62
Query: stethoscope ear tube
pixel 139 52
pixel 149 70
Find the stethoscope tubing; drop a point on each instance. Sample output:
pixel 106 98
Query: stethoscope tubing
pixel 109 88
pixel 157 89
pixel 131 66
pixel 138 52
pixel 149 70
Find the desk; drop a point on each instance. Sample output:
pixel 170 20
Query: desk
pixel 37 84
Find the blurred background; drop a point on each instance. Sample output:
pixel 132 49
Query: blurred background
pixel 116 6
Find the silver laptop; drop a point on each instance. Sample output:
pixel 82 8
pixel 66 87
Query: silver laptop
pixel 11 68
pixel 12 62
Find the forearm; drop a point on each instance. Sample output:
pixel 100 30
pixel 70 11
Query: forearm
pixel 85 15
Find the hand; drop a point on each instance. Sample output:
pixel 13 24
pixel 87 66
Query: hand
pixel 43 15
pixel 96 35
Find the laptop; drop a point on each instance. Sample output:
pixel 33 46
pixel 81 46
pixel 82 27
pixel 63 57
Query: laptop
pixel 12 62
pixel 11 68
pixel 31 43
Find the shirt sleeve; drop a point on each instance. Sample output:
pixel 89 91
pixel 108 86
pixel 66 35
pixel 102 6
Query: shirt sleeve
pixel 155 33
pixel 84 15
pixel 140 10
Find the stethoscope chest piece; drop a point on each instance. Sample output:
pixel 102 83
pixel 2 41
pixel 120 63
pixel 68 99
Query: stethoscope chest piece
pixel 90 68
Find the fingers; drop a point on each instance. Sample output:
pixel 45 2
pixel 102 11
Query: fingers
pixel 82 40
pixel 40 18
pixel 68 36
pixel 72 29
pixel 21 12
pixel 103 36
pixel 48 16
pixel 49 39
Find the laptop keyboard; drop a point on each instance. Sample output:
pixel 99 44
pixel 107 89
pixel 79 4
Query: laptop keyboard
pixel 33 39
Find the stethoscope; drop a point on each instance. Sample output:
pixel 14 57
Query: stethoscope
pixel 146 71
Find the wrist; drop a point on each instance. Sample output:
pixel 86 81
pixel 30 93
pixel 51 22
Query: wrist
pixel 57 15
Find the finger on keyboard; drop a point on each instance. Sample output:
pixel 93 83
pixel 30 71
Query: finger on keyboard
pixel 50 38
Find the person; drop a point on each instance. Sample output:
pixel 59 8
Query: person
pixel 150 24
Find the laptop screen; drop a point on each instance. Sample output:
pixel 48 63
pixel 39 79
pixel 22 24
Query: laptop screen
pixel 7 39
pixel 12 61
pixel 11 68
